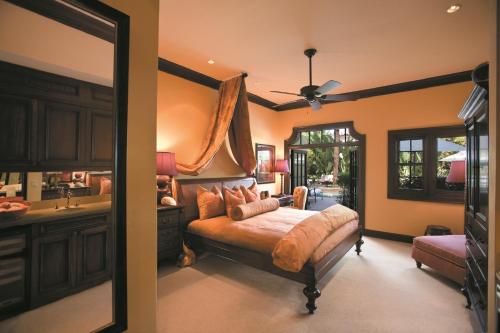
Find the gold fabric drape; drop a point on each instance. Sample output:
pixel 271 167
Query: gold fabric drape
pixel 231 114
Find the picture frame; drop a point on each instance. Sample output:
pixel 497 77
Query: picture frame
pixel 265 156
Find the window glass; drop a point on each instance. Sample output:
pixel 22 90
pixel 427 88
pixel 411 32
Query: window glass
pixel 450 164
pixel 328 136
pixel 410 161
pixel 304 138
pixel 315 136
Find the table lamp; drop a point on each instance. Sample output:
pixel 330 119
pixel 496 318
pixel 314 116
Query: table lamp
pixel 165 171
pixel 281 166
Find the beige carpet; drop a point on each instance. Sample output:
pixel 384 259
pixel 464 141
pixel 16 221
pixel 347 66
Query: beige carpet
pixel 80 313
pixel 379 291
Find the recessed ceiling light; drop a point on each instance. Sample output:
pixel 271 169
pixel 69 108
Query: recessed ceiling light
pixel 453 8
pixel 211 62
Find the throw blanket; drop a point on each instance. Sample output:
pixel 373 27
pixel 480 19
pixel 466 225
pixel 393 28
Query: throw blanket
pixel 298 245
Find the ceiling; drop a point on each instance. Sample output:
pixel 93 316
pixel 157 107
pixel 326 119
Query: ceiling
pixel 363 44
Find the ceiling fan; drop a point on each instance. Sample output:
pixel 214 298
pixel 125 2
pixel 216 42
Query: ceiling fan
pixel 314 95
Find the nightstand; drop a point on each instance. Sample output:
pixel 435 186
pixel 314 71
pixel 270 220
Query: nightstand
pixel 169 232
pixel 285 199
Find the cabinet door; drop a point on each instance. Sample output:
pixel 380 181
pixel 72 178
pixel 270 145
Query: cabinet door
pixel 62 144
pixel 94 254
pixel 17 131
pixel 100 138
pixel 53 270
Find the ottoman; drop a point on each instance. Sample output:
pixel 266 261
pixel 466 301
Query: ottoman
pixel 446 254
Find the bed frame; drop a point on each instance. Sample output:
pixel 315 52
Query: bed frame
pixel 185 193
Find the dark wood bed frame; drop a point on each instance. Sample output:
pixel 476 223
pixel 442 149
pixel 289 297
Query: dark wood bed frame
pixel 310 275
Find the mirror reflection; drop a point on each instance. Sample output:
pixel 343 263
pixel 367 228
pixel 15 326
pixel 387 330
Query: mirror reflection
pixel 57 125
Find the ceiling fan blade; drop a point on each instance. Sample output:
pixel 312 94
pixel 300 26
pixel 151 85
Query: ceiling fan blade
pixel 315 105
pixel 293 104
pixel 326 87
pixel 340 97
pixel 284 92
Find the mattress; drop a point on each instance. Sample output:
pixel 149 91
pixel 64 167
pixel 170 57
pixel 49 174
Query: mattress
pixel 261 233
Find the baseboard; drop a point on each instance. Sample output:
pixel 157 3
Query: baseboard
pixel 389 236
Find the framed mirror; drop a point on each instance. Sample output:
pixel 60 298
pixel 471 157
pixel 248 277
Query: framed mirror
pixel 63 138
pixel 264 173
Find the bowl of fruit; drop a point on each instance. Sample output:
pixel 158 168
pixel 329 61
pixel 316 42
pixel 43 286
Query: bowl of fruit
pixel 13 208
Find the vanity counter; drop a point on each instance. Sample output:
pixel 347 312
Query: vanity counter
pixel 52 214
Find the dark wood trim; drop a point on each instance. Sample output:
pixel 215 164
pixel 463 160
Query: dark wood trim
pixel 361 143
pixel 68 16
pixel 205 80
pixel 389 236
pixel 395 88
pixel 429 192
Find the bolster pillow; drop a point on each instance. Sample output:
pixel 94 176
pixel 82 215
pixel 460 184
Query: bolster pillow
pixel 245 211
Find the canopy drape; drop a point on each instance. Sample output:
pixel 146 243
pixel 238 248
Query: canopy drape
pixel 230 117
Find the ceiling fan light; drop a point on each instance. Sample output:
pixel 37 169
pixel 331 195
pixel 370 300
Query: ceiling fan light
pixel 453 8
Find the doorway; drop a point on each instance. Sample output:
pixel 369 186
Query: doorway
pixel 329 160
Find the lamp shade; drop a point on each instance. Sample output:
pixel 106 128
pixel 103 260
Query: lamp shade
pixel 165 164
pixel 281 166
pixel 457 172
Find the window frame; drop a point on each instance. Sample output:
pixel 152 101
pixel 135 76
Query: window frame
pixel 429 192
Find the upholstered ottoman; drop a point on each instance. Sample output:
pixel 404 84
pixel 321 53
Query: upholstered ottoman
pixel 446 254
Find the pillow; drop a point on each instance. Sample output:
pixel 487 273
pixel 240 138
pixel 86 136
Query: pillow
pixel 210 203
pixel 245 211
pixel 105 186
pixel 251 194
pixel 233 198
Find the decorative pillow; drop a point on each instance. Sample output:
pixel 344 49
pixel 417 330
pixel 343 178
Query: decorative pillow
pixel 242 212
pixel 251 193
pixel 210 203
pixel 105 186
pixel 233 198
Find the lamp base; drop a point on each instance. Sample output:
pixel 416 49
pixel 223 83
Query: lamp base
pixel 164 185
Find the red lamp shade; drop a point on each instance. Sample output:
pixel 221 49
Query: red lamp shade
pixel 457 172
pixel 281 166
pixel 165 164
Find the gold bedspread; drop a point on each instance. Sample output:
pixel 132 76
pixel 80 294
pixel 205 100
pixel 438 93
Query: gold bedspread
pixel 262 232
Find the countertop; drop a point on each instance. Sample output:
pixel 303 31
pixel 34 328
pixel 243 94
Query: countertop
pixel 51 214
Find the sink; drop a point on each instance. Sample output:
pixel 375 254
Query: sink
pixel 69 209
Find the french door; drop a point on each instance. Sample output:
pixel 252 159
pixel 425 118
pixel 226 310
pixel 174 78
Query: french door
pixel 299 168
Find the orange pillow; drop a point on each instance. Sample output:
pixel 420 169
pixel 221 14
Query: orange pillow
pixel 233 198
pixel 251 193
pixel 210 203
pixel 105 186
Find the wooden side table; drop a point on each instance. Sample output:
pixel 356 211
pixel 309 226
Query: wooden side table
pixel 169 232
pixel 285 199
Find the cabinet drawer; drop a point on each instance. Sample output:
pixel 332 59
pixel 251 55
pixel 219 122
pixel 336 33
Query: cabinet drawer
pixel 73 224
pixel 477 228
pixel 12 244
pixel 170 219
pixel 475 254
pixel 477 301
pixel 168 238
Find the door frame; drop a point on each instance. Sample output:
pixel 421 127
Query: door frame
pixel 361 144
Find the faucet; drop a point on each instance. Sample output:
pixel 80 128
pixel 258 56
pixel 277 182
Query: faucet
pixel 69 194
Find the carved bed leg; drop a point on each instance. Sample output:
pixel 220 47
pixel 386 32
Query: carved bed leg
pixel 311 292
pixel 358 244
pixel 419 264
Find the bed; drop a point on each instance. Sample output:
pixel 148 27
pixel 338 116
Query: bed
pixel 251 241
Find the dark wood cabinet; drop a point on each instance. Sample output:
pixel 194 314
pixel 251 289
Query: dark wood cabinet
pixel 475 115
pixel 169 232
pixel 69 256
pixel 17 130
pixel 53 122
pixel 63 138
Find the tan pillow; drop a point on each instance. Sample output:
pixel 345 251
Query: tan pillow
pixel 210 203
pixel 233 198
pixel 251 193
pixel 247 210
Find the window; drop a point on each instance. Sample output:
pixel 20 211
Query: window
pixel 427 164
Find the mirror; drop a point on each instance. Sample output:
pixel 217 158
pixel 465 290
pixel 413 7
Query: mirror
pixel 61 190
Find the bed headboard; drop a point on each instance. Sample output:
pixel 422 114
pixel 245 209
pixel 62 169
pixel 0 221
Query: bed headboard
pixel 184 192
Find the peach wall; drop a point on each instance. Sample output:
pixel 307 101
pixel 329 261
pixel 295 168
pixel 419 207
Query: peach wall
pixel 183 113
pixel 374 117
pixel 141 163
